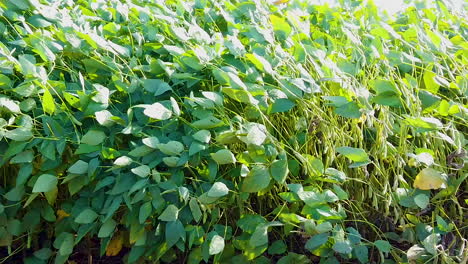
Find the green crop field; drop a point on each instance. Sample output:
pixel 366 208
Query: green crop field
pixel 232 131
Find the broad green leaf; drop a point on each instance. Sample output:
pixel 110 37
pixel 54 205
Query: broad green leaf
pixel 172 148
pixel 171 161
pixel 145 212
pixel 354 154
pixel 195 209
pixel 343 247
pixel 157 111
pixel 316 241
pixel 48 103
pixel 422 200
pixel 151 142
pixel 43 253
pixel 104 118
pixel 86 216
pixel 277 248
pixel 107 228
pixel 79 167
pixel 45 183
pixel 259 236
pixel 141 171
pixel 424 124
pixel 257 180
pixel 174 232
pixel 203 136
pixel 383 246
pixel 19 134
pixel 64 243
pixel 93 137
pixel 23 157
pixel 279 170
pixel 362 253
pixel 280 26
pixel 216 245
pixel 196 147
pixel 208 123
pixel 260 63
pixel 223 156
pixel 281 105
pixel 218 189
pixel 169 214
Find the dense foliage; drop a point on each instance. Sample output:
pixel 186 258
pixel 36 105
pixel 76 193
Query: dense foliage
pixel 232 131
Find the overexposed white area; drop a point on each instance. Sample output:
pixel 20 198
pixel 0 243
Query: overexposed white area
pixel 393 6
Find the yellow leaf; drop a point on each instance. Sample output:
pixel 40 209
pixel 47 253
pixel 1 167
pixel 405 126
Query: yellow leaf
pixel 279 2
pixel 48 103
pixel 61 214
pixel 115 245
pixel 51 195
pixel 428 179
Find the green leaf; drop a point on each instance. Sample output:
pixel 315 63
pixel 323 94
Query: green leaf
pixel 424 124
pixel 281 105
pixel 79 167
pixel 362 253
pixel 203 136
pixel 260 63
pixel 279 170
pixel 277 248
pixel 174 232
pixel 216 245
pixel 316 241
pixel 87 216
pixel 342 194
pixel 354 154
pixel 43 253
pixel 107 228
pixel 223 156
pixel 145 212
pixel 171 148
pixel 48 103
pixel 23 157
pixel 280 26
pixel 19 134
pixel 349 110
pixel 93 137
pixel 343 247
pixel 218 189
pixel 422 200
pixel 157 111
pixel 255 134
pixel 45 183
pixel 195 209
pixel 383 246
pixel 64 243
pixel 196 147
pixel 430 243
pixel 151 142
pixel 169 214
pixel 259 236
pixel 141 171
pixel 207 123
pixel 257 180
